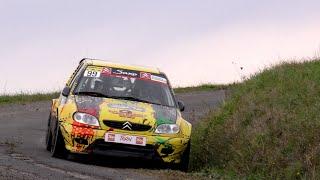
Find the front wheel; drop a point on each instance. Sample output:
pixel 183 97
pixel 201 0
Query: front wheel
pixel 57 144
pixel 48 135
pixel 184 164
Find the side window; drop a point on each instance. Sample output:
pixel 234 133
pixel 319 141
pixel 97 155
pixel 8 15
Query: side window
pixel 70 82
pixel 77 75
pixel 174 100
pixel 74 75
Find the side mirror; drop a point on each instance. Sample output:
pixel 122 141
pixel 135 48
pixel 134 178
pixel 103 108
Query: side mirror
pixel 181 105
pixel 66 91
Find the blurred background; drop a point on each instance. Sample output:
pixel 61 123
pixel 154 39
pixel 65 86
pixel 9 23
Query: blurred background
pixel 193 41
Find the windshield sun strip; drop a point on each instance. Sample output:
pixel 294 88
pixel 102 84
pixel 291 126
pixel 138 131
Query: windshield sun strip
pixel 109 71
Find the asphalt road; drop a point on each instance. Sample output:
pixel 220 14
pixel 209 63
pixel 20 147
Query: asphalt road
pixel 23 154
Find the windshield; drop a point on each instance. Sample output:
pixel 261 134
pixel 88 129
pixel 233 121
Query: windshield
pixel 125 84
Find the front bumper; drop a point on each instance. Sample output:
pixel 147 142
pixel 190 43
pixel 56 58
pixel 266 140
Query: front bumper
pixel 85 140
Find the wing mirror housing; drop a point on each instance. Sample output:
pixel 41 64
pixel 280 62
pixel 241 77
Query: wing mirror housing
pixel 181 105
pixel 66 91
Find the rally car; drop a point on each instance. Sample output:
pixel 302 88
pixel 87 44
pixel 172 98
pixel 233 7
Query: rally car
pixel 119 110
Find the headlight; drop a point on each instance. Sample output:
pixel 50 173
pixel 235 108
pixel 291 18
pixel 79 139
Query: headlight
pixel 85 118
pixel 167 129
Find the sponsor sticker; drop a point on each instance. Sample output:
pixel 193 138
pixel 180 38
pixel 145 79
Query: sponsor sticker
pixel 111 137
pixel 158 79
pixel 106 71
pixel 126 107
pixel 126 139
pixel 144 75
pixel 126 114
pixel 124 72
pixel 139 140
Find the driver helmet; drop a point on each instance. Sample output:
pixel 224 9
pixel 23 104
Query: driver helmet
pixel 120 83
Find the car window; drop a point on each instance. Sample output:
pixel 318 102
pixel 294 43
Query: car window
pixel 77 74
pixel 126 84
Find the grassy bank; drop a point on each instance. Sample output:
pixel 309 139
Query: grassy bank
pixel 25 97
pixel 269 128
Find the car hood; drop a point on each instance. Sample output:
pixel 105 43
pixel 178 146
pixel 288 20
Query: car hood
pixel 108 109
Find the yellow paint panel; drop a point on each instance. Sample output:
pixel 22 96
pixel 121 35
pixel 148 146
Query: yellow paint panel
pixel 123 66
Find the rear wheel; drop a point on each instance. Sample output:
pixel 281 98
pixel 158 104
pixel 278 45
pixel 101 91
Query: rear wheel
pixel 57 144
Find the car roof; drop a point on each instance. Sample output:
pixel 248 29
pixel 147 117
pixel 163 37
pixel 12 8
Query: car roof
pixel 98 62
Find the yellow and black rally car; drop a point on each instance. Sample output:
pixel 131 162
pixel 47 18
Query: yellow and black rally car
pixel 119 110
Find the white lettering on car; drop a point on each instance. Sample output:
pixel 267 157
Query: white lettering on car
pixel 121 72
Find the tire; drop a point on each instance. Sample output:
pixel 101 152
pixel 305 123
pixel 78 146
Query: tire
pixel 57 144
pixel 184 164
pixel 48 135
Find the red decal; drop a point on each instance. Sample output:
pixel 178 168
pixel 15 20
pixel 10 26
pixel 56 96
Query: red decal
pixel 139 140
pixel 111 137
pixel 91 111
pixel 144 75
pixel 75 123
pixel 111 129
pixel 106 71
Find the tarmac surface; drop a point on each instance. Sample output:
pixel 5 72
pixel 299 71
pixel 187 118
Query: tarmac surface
pixel 23 154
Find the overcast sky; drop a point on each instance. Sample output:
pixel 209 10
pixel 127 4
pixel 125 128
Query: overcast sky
pixel 198 41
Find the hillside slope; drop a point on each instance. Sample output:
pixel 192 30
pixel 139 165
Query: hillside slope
pixel 269 128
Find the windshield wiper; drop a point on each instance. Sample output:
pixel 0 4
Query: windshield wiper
pixel 91 93
pixel 130 98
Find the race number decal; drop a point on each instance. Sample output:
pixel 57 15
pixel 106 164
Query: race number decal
pixel 92 73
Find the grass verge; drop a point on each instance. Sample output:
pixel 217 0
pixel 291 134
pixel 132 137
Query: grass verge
pixel 25 97
pixel 269 128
